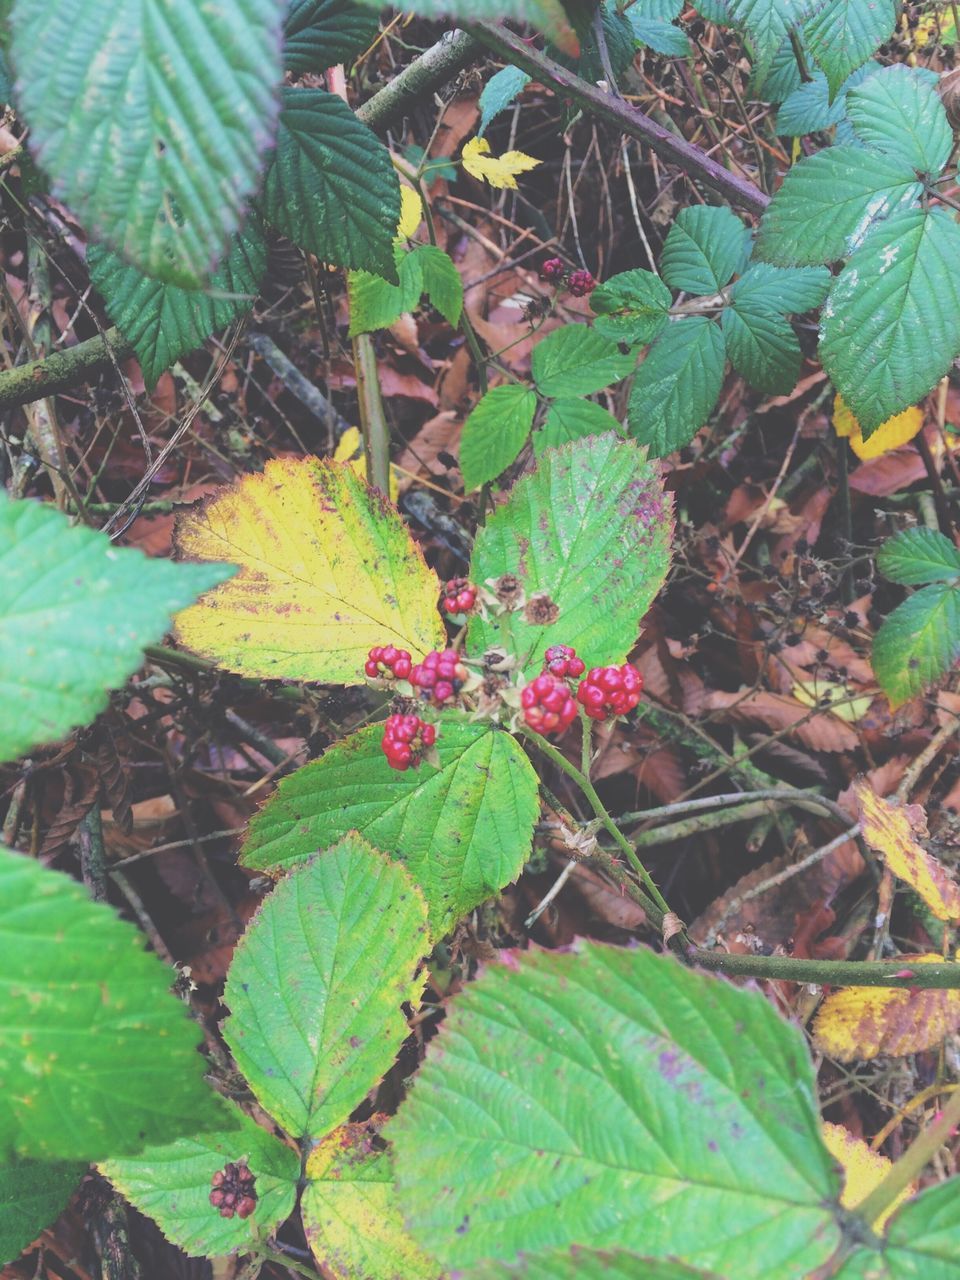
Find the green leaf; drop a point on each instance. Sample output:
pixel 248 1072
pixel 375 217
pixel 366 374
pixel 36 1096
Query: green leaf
pixel 891 325
pixel 464 828
pixel 331 187
pixel 809 108
pixel 621 46
pixel 441 281
pixel 767 23
pixel 96 1056
pixel 631 307
pixel 576 361
pixel 677 385
pixel 919 555
pixel 899 112
pixel 704 248
pixel 661 37
pixel 762 347
pixel 375 303
pixel 845 33
pixel 657 10
pixel 585 1264
pixel 547 16
pixel 828 202
pixel 500 91
pixel 170 1183
pixel 603 1097
pixel 918 643
pixel 317 981
pixel 590 528
pixel 152 118
pixel 320 33
pixel 165 322
pixel 495 432
pixel 573 419
pixel 786 290
pixel 713 10
pixel 75 615
pixel 350 1213
pixel 33 1194
pixel 923 1241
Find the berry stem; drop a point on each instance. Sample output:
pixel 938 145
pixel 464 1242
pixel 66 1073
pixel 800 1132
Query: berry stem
pixel 587 787
pixel 586 743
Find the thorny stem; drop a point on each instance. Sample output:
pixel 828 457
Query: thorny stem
pixel 899 973
pixel 913 1161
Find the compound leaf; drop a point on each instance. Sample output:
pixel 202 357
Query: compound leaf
pixel 320 33
pixel 572 419
pixel 463 828
pixel 762 347
pixel 75 615
pixel 317 981
pixel 634 1037
pixel 165 322
pixel 918 643
pixel 33 1193
pixel 576 361
pixel 495 432
pixel 331 187
pixel 891 325
pixel 916 556
pixel 829 201
pixel 327 570
pixel 845 33
pixel 154 127
pixel 677 385
pixel 171 1182
pixel 786 290
pixel 587 535
pixel 922 1243
pixel 767 23
pixel 899 112
pixel 809 108
pixel 705 246
pixel 631 307
pixel 96 1055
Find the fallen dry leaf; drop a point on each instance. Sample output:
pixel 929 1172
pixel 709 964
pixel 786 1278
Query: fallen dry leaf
pixel 863 1170
pixel 890 830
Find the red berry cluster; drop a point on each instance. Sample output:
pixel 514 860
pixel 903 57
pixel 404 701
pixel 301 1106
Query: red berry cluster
pixel 547 704
pixel 553 269
pixel 579 283
pixel 610 691
pixel 388 661
pixel 234 1190
pixel 439 676
pixel 459 596
pixel 562 661
pixel 405 740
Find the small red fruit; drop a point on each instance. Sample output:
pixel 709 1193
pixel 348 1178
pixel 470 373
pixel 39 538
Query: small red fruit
pixel 234 1190
pixel 459 596
pixel 439 677
pixel 552 269
pixel 610 691
pixel 547 704
pixel 562 661
pixel 580 283
pixel 405 741
pixel 389 662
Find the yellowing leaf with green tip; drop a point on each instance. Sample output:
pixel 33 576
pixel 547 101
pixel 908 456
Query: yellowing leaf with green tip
pixel 350 449
pixel 327 570
pixel 863 1170
pixel 350 1212
pixel 896 431
pixel 888 829
pixel 499 171
pixel 863 1022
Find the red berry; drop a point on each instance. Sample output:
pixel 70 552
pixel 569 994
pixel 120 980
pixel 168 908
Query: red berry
pixel 234 1190
pixel 580 283
pixel 610 691
pixel 405 740
pixel 388 662
pixel 562 661
pixel 552 269
pixel 439 676
pixel 547 704
pixel 459 596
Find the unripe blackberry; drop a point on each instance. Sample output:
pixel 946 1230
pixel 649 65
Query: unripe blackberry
pixel 234 1190
pixel 388 662
pixel 439 677
pixel 547 704
pixel 561 660
pixel 580 283
pixel 552 269
pixel 610 691
pixel 406 740
pixel 459 596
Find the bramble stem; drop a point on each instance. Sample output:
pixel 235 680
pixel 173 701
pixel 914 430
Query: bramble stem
pixel 913 1161
pixel 61 370
pixel 899 973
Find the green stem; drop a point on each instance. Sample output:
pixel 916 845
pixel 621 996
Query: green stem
pixel 913 1161
pixel 901 973
pixel 373 421
pixel 587 787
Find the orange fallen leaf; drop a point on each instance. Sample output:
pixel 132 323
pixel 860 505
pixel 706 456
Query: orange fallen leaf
pixel 888 829
pixel 893 433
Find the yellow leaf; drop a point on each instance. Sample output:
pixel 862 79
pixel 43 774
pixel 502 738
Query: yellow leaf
pixel 327 570
pixel 863 1169
pixel 891 434
pixel 349 449
pixel 499 171
pixel 411 212
pixel 812 693
pixel 862 1022
pixel 887 828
